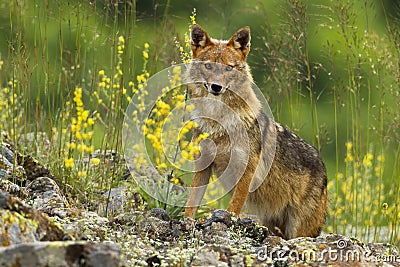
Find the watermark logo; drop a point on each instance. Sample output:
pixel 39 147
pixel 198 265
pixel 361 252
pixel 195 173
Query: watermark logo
pixel 341 243
pixel 343 251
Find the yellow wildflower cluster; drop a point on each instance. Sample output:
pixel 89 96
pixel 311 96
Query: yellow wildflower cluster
pixel 140 92
pixel 349 155
pixel 106 83
pixel 360 193
pixel 3 101
pixel 81 127
pixel 167 140
pixel 184 50
pixel 11 102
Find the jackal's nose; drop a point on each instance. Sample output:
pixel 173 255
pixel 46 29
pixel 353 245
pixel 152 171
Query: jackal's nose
pixel 216 88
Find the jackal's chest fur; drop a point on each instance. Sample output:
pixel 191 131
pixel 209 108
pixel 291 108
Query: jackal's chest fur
pixel 218 119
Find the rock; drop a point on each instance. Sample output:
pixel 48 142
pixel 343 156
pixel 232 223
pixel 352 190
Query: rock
pixel 222 216
pixel 20 223
pixel 211 255
pixel 160 214
pixel 158 229
pixel 153 261
pixel 119 200
pixel 11 188
pixel 5 163
pixel 46 196
pixel 7 153
pixel 116 200
pixel 61 254
pixel 35 141
pixel 7 168
pixel 84 225
pixel 33 168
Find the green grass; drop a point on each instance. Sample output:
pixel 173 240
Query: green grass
pixel 329 72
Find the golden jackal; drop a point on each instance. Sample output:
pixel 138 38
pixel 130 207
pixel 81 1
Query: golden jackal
pixel 291 198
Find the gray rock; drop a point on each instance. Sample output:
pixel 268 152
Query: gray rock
pixel 7 154
pixel 46 195
pixel 38 141
pixel 114 201
pixel 5 162
pixel 20 223
pixel 160 214
pixel 61 254
pixel 211 255
pixel 86 225
pixel 10 187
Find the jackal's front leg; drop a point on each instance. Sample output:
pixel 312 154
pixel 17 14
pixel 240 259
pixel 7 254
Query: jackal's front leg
pixel 197 190
pixel 241 192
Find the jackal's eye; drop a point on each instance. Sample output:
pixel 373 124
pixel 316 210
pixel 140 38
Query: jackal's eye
pixel 229 68
pixel 208 66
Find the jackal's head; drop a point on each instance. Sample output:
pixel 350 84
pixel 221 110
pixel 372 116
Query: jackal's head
pixel 219 65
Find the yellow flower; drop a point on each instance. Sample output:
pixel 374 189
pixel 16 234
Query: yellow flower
pixel 82 173
pixel 101 72
pixel 71 145
pixel 89 149
pixel 90 121
pixel 193 16
pixel 175 180
pixel 162 166
pixel 85 115
pixel 202 136
pixel 121 39
pixel 349 145
pixel 1 64
pixel 367 160
pixel 349 158
pixel 146 45
pixel 81 147
pixel 180 97
pixel 95 161
pixel 145 54
pixel 69 163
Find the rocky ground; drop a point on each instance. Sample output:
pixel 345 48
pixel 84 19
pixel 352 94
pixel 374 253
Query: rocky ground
pixel 38 227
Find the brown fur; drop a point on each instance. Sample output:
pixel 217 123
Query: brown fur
pixel 292 198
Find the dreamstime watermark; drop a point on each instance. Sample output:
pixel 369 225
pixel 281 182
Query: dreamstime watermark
pixel 343 252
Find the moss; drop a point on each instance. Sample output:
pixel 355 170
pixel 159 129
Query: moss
pixel 12 220
pixel 46 229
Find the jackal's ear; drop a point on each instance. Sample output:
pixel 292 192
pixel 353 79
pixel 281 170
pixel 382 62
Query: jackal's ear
pixel 198 39
pixel 241 40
